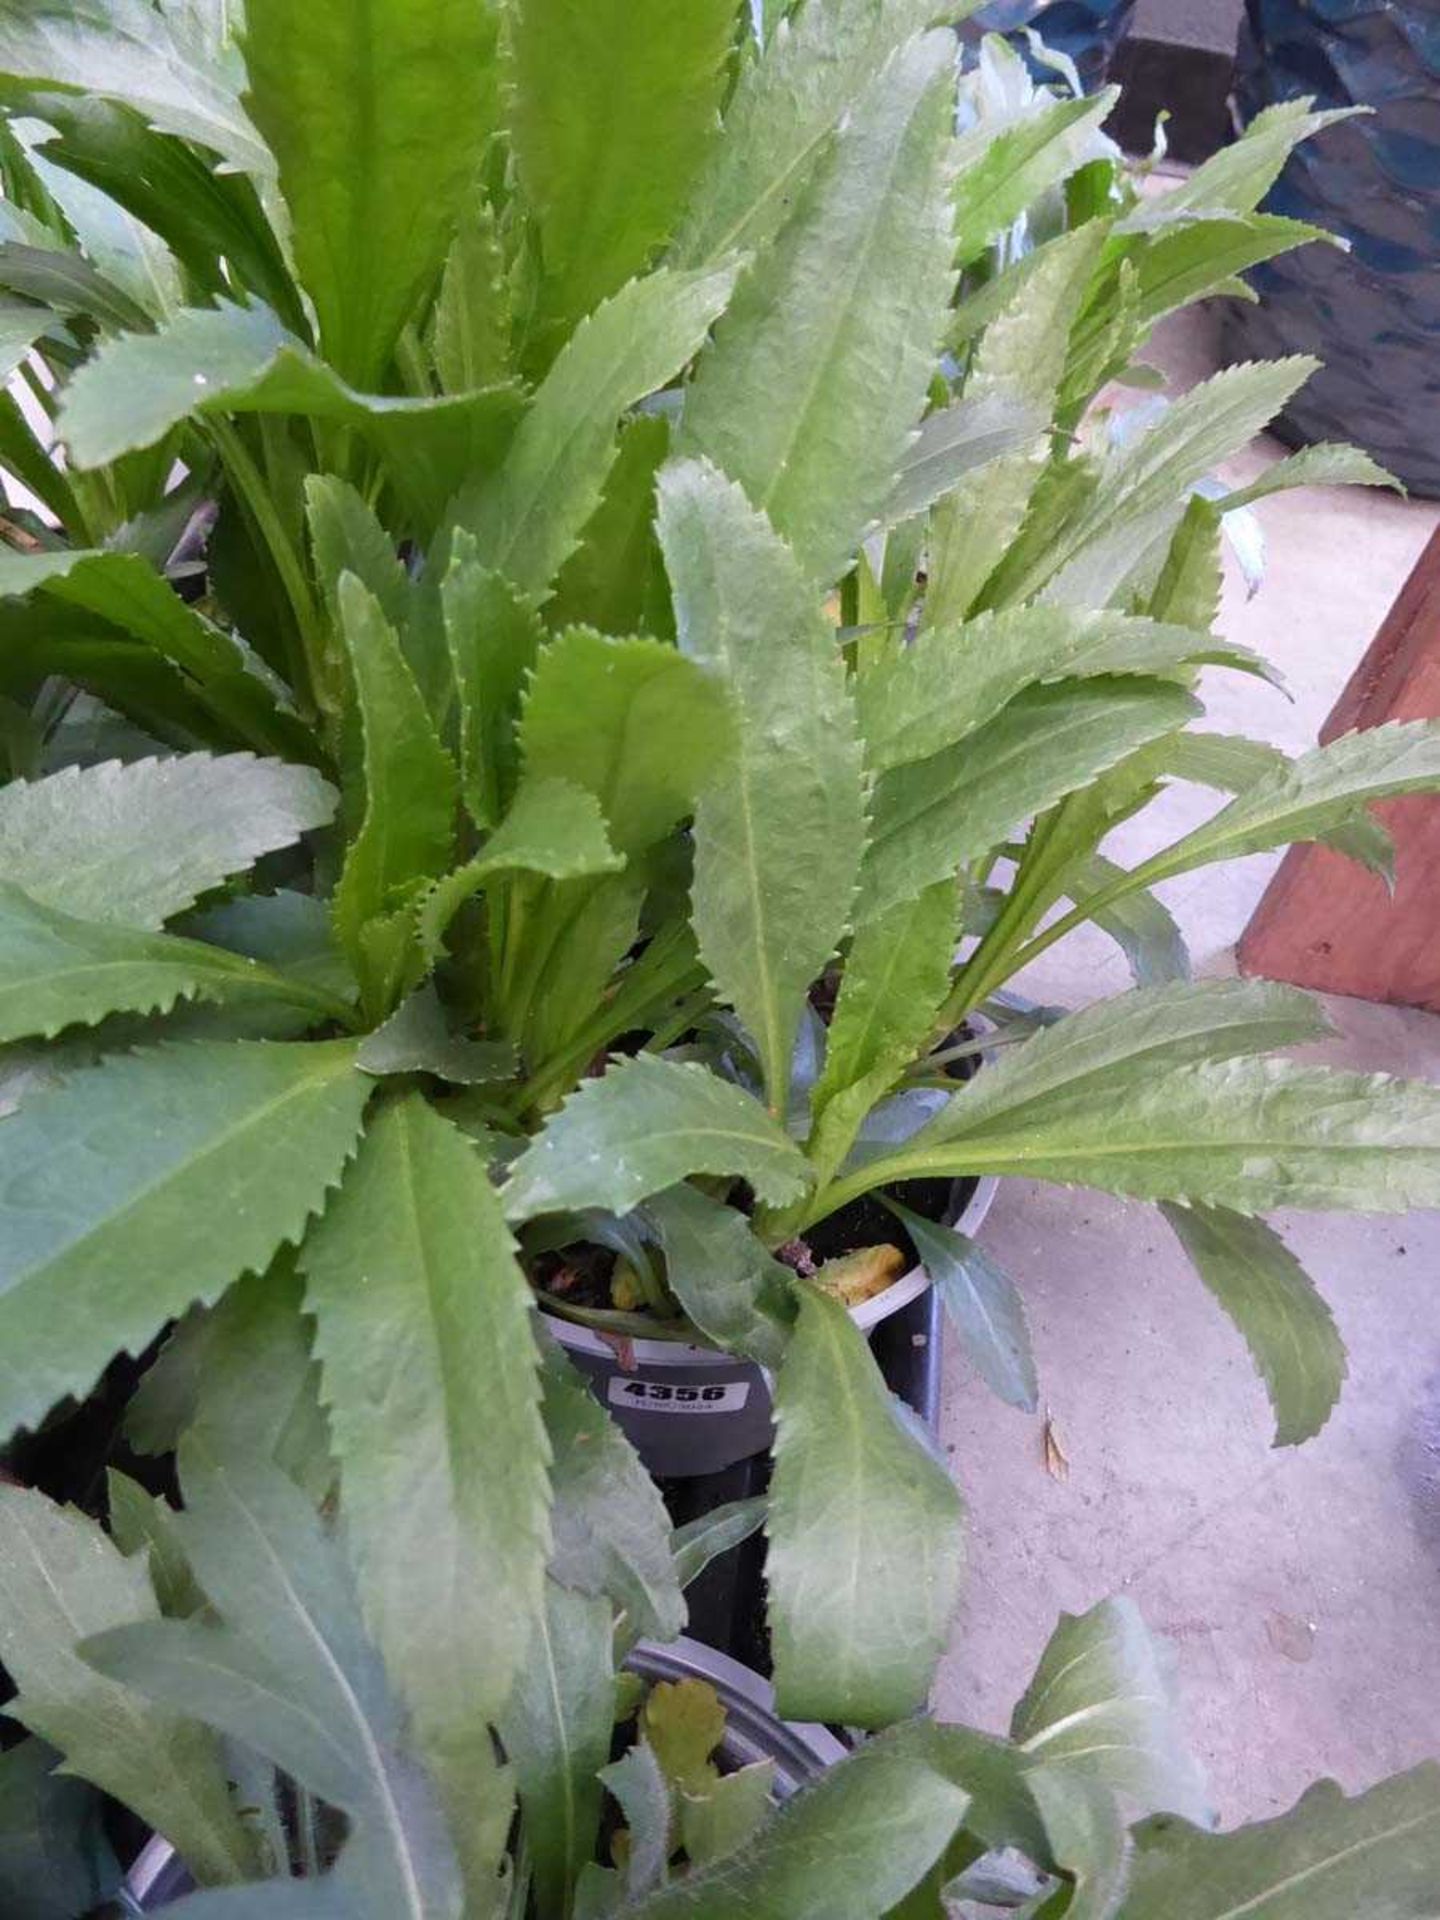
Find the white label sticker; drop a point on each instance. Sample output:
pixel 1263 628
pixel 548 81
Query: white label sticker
pixel 656 1396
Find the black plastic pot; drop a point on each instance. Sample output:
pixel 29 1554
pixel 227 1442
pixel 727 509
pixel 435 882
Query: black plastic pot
pixel 692 1410
pixel 1089 32
pixel 801 1753
pixel 1372 315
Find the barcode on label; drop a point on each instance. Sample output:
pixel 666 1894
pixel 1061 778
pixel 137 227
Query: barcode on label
pixel 656 1396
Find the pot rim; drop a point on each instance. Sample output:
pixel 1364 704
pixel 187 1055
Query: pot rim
pixel 680 1353
pixel 800 1749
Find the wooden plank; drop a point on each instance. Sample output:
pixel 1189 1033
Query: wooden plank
pixel 1324 922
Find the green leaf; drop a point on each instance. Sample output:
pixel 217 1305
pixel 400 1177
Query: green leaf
pixel 984 1307
pixel 61 1580
pixel 1131 1038
pixel 955 440
pixel 823 1853
pixel 614 105
pixel 728 1815
pixel 931 817
pixel 1100 1708
pixel 242 1372
pixel 1192 576
pixel 55 1860
pixel 1143 929
pixel 920 698
pixel 615 580
pixel 230 359
pixel 528 514
pixel 346 536
pixel 1322 465
pixel 142 1522
pixel 132 845
pixel 778 838
pixel 418 1038
pixel 377 112
pixel 700 1541
pixel 721 1274
pixel 639 1786
pixel 1239 176
pixel 411 787
pixel 290 1673
pixel 1087 1835
pixel 56 970
pixel 127 51
pixel 553 828
pixel 1003 172
pixel 896 976
pixel 1269 1296
pixel 865 1535
pixel 1096 542
pixel 1328 1858
pixel 611 1532
pixel 149 1182
pixel 646 1124
pixel 818 374
pixel 972 530
pixel 429 1372
pixel 781 119
pixel 991 1772
pixel 631 721
pixel 493 636
pixel 471 342
pixel 1307 798
pixel 557 1732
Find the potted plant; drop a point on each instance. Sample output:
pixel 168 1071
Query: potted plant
pixel 220 1680
pixel 636 707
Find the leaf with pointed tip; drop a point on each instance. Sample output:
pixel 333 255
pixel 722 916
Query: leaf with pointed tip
pixel 1002 172
pixel 471 328
pixel 644 1125
pixel 1322 465
pixel 230 359
pixel 149 1182
pixel 785 109
pixel 632 722
pixel 429 1371
pixel 1100 1707
pixel 1089 553
pixel 778 838
pixel 61 1580
pixel 289 1671
pixel 1267 1293
pixel 611 1532
pixel 242 1371
pixel 983 1305
pixel 411 788
pixel 1238 177
pixel 129 52
pixel 865 1548
pixel 131 598
pixel 615 581
pixel 57 971
pixel 818 374
pixel 700 1541
pixel 55 1859
pixel 612 106
pixel 920 698
pixel 896 976
pixel 1192 575
pixel 935 815
pixel 493 636
pixel 1327 1858
pixel 346 536
pixel 819 1853
pixel 132 845
pixel 554 828
pixel 955 440
pixel 377 114
pixel 556 1733
pixel 418 1038
pixel 142 1522
pixel 721 1274
pixel 529 512
pixel 1143 928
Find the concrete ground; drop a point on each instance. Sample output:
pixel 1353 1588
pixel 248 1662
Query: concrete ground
pixel 1299 1588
